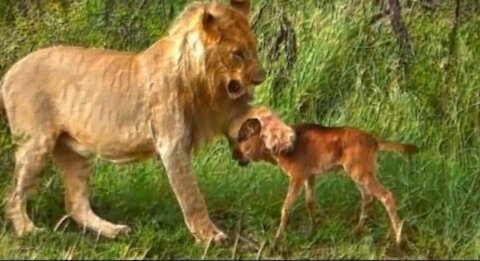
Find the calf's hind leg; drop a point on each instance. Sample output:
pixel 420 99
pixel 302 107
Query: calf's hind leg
pixel 30 158
pixel 372 186
pixel 75 172
pixel 366 203
pixel 386 197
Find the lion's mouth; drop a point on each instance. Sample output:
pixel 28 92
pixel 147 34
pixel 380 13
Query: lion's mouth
pixel 235 89
pixel 234 86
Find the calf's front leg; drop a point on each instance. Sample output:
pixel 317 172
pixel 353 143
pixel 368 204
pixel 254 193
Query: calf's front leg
pixel 292 194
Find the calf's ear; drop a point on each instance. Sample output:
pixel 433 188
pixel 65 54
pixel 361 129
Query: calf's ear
pixel 249 128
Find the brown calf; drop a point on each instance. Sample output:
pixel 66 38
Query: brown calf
pixel 319 149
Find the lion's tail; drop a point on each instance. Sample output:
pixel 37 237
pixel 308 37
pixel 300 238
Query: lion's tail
pixel 391 146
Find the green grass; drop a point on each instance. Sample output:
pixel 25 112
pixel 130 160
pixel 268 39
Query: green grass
pixel 439 209
pixel 347 73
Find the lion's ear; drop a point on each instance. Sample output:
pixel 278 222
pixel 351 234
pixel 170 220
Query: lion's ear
pixel 243 6
pixel 209 22
pixel 248 129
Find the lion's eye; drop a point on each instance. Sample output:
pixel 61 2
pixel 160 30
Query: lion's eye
pixel 238 54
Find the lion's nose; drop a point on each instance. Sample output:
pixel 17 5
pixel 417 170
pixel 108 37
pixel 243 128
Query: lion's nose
pixel 258 76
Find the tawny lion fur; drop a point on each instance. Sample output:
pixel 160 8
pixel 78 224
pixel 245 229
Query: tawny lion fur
pixel 190 86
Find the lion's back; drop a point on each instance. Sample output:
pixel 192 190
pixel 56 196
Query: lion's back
pixel 83 90
pixel 52 67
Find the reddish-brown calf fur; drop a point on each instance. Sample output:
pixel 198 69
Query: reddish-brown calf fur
pixel 319 149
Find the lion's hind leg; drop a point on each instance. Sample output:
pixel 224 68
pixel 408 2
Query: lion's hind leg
pixel 75 172
pixel 30 158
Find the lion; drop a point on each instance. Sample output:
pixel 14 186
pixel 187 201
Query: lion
pixel 195 83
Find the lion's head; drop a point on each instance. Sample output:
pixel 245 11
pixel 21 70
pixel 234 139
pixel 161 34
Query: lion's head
pixel 231 48
pixel 221 48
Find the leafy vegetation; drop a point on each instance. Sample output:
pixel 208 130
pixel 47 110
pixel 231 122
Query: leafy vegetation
pixel 335 63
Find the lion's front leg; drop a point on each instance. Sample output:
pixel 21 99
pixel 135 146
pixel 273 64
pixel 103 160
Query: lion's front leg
pixel 278 136
pixel 176 159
